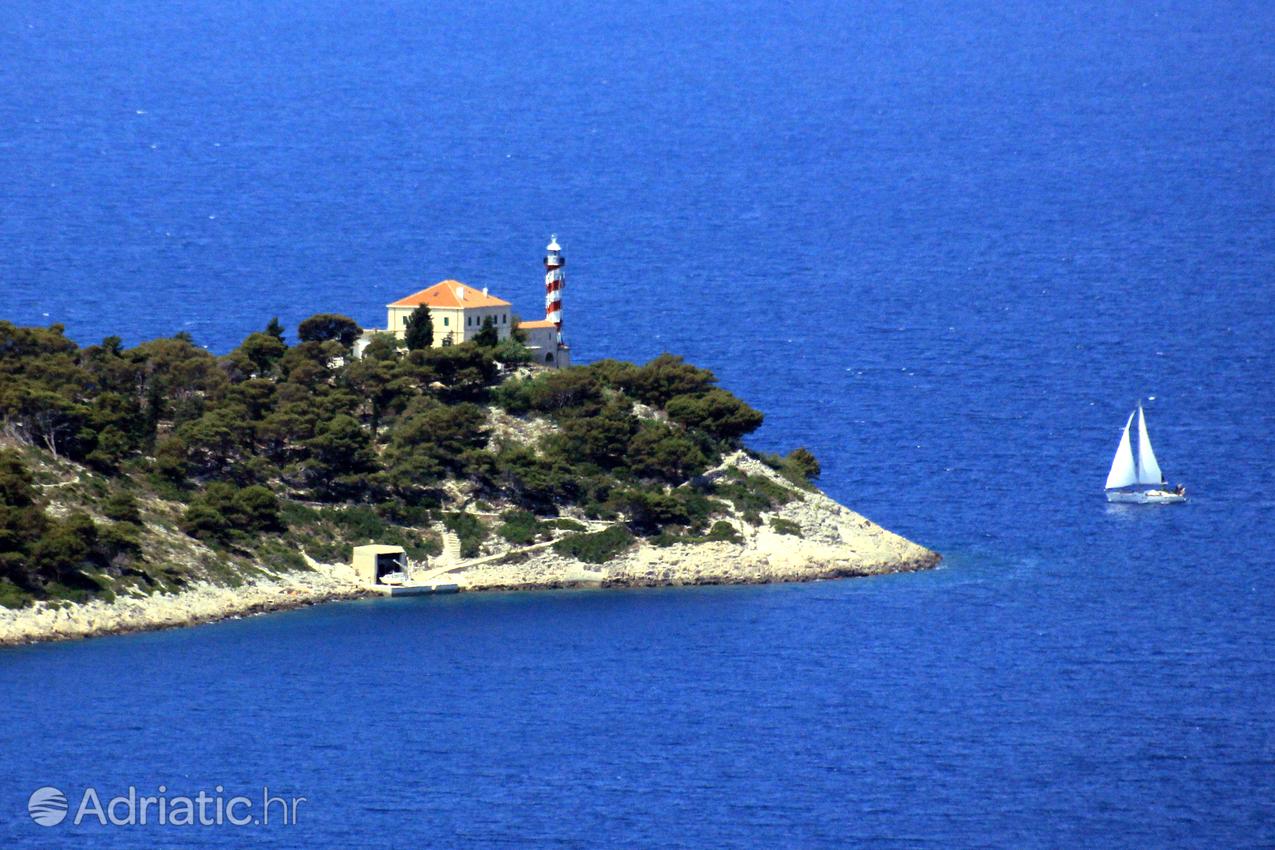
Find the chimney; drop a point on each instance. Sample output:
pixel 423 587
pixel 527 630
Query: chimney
pixel 484 290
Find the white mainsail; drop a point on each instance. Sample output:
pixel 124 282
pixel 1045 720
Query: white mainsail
pixel 1122 472
pixel 1148 468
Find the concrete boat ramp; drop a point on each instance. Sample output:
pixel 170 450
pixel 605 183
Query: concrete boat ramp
pixel 387 570
pixel 415 589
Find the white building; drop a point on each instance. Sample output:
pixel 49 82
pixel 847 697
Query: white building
pixel 458 312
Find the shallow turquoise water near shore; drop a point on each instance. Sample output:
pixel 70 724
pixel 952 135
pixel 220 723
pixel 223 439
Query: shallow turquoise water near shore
pixel 947 248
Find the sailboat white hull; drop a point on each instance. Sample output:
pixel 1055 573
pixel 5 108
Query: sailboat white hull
pixel 1146 497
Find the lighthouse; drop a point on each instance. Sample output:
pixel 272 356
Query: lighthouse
pixel 555 279
pixel 543 337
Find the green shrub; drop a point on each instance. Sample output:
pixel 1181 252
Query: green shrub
pixel 594 509
pixel 121 507
pixel 170 458
pixel 698 507
pixel 277 555
pixel 204 523
pixel 511 352
pixel 520 527
pixel 804 463
pixel 724 531
pixel 514 396
pixel 120 538
pixel 721 532
pixel 785 526
pixel 400 512
pixel 12 596
pixel 430 545
pixel 71 593
pixel 597 547
pixel 752 494
pixel 259 508
pixel 221 510
pixel 799 466
pixel 650 510
pixel 294 513
pixel 65 547
pixel 359 523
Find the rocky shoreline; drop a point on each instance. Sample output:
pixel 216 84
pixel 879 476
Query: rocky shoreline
pixel 209 604
pixel 833 542
pixel 201 603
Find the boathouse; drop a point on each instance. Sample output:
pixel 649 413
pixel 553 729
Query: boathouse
pixel 374 562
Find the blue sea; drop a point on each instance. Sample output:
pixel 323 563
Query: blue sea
pixel 946 246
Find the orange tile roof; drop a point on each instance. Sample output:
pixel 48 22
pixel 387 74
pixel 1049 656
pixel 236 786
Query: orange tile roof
pixel 443 294
pixel 542 323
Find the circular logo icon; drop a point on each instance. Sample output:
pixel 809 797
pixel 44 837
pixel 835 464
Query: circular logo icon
pixel 47 806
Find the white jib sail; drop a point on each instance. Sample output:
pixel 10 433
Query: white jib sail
pixel 1148 469
pixel 1122 473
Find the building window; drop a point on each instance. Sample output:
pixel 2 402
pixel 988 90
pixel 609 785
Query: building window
pixel 504 318
pixel 446 321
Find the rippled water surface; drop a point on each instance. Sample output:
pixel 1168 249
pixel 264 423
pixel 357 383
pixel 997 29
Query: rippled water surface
pixel 946 247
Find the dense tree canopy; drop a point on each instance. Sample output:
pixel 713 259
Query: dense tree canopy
pixel 329 326
pixel 240 437
pixel 715 412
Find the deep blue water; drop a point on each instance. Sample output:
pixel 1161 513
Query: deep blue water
pixel 946 246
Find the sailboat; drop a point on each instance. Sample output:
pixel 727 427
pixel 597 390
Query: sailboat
pixel 1140 482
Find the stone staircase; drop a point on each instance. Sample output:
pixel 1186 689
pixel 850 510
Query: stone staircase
pixel 451 549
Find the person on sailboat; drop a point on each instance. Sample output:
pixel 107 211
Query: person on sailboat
pixel 1179 490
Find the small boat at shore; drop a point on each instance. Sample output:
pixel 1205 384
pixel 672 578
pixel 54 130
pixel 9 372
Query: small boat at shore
pixel 1139 482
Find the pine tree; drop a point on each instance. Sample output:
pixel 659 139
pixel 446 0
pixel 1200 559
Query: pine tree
pixel 488 336
pixel 420 329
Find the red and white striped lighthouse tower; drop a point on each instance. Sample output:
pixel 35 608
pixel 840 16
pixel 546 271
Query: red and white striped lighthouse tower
pixel 555 279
